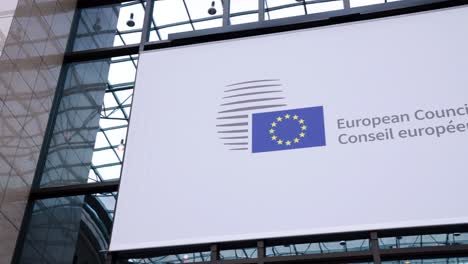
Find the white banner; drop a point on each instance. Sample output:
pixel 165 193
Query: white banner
pixel 349 127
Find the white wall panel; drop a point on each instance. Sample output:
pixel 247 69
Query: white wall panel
pixel 182 185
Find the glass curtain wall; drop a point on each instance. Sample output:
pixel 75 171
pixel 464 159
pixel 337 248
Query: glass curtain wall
pixel 85 147
pixel 86 141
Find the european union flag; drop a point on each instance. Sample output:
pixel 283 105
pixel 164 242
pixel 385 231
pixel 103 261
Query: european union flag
pixel 289 129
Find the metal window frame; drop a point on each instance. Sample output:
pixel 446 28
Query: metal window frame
pixel 347 15
pixel 375 254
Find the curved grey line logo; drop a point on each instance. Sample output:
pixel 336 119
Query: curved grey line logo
pixel 239 101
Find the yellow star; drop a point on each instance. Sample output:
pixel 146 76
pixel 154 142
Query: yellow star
pixel 274 138
pixel 272 131
pixel 279 119
pixel 288 143
pixel 296 140
pixel 273 124
pixel 295 117
pixel 280 142
pixel 302 134
pixel 287 116
pixel 304 127
pixel 301 121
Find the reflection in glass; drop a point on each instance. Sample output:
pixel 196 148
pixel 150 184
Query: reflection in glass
pixel 424 240
pixel 319 248
pixel 77 121
pixel 92 121
pixel 429 261
pixel 108 26
pixel 72 229
pixel 114 118
pixel 171 259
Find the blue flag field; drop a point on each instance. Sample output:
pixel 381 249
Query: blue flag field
pixel 288 129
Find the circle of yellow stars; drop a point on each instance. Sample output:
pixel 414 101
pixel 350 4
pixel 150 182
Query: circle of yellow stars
pixel 287 142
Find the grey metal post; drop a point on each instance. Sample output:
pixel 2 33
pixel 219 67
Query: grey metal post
pixel 226 13
pixel 214 249
pixel 375 248
pixel 261 254
pixel 261 10
pixel 346 4
pixel 146 24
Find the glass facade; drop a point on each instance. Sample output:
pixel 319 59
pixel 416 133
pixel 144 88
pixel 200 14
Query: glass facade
pixel 109 26
pixel 431 240
pixel 84 150
pixel 319 248
pixel 430 261
pixel 76 124
pixel 74 229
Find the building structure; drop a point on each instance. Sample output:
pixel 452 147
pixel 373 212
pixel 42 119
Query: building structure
pixel 66 84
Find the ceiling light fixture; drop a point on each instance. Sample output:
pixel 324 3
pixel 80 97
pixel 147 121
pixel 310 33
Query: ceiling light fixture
pixel 121 146
pixel 131 22
pixel 212 9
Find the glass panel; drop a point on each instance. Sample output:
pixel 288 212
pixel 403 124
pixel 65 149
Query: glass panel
pixel 107 26
pixel 324 7
pixel 318 248
pixel 88 143
pixel 109 147
pixel 424 240
pixel 205 13
pixel 357 3
pixel 217 22
pixel 242 11
pixel 429 261
pixel 169 17
pixel 248 253
pixel 72 229
pixel 172 259
pixel 71 148
pixel 275 9
pixel 244 253
pixel 176 16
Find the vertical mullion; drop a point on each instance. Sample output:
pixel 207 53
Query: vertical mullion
pixel 214 253
pixel 261 10
pixel 375 248
pixel 261 252
pixel 73 31
pixel 346 4
pixel 146 23
pixel 226 13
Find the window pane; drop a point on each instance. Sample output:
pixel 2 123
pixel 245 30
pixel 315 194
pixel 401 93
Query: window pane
pixel 243 11
pixel 357 3
pixel 76 125
pixel 90 130
pixel 429 261
pixel 324 7
pixel 72 229
pixel 275 9
pixel 107 26
pixel 424 240
pixel 170 17
pixel 319 248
